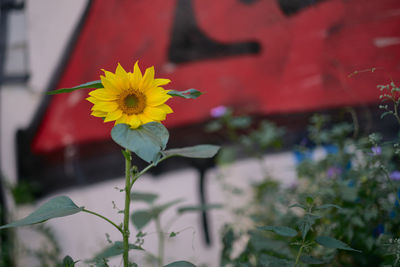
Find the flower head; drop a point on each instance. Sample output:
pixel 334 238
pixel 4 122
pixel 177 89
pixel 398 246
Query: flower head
pixel 376 150
pixel 333 172
pixel 218 111
pixel 395 176
pixel 130 97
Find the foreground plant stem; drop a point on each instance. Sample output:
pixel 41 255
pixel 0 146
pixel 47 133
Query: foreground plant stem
pixel 128 186
pixel 299 254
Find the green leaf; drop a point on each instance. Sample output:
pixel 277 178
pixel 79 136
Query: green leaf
pixel 172 234
pixel 309 200
pixel 311 260
pixel 141 218
pixel 298 206
pixel 385 113
pixel 226 155
pixel 93 84
pixel 146 141
pixel 330 242
pixel 327 206
pixel 68 262
pixel 228 239
pixel 271 261
pixel 145 197
pixel 199 151
pixel 199 208
pixel 180 264
pixel 114 250
pixel 260 243
pixel 190 93
pixel 280 230
pixel 56 207
pixel 349 194
pixel 158 209
pixel 306 223
pixel 213 126
pixel 240 122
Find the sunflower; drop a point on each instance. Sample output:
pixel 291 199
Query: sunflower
pixel 130 98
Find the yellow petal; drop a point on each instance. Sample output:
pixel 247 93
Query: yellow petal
pixel 92 99
pixel 136 76
pixel 104 94
pixel 154 113
pixel 108 74
pixel 148 78
pixel 165 108
pixel 134 121
pixel 160 82
pixel 120 71
pixel 156 96
pixel 122 119
pixel 98 113
pixel 114 115
pixel 106 106
pixel 121 77
pixel 144 119
pixel 111 85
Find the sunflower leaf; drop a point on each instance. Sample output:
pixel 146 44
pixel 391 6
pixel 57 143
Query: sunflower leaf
pixel 93 84
pixel 146 141
pixel 189 93
pixel 56 207
pixel 199 151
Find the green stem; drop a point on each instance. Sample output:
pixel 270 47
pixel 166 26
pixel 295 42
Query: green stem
pixel 136 176
pixel 128 186
pixel 160 242
pixel 104 218
pixel 299 254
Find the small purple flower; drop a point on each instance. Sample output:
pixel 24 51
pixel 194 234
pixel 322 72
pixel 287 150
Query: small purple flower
pixel 333 172
pixel 376 150
pixel 395 176
pixel 218 111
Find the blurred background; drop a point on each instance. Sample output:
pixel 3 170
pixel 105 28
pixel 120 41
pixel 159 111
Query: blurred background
pixel 281 60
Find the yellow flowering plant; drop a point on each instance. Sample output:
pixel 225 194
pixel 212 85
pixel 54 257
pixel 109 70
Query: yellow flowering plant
pixel 135 102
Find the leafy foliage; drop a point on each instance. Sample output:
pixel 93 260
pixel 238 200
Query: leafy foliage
pixel 343 203
pixel 56 207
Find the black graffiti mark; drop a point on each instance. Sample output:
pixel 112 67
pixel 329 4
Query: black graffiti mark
pixel 189 43
pixel 248 1
pixel 291 7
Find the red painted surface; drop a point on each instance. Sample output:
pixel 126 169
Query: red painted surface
pixel 303 65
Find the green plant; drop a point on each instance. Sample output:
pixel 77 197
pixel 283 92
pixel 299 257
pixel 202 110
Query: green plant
pixel 358 177
pixel 136 103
